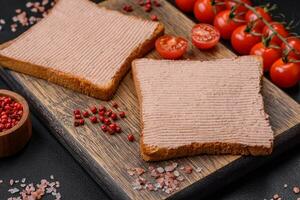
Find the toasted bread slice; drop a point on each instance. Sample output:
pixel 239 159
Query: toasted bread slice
pixel 195 107
pixel 81 47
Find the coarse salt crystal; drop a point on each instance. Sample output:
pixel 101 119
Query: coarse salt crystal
pixel 51 177
pixel 199 169
pixel 11 182
pixel 18 11
pixel 2 21
pixel 160 170
pixel 45 2
pixel 23 180
pixel 34 10
pixel 13 190
pixel 1 181
pixel 176 173
pixel 29 4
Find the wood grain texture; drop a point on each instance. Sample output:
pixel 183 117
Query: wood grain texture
pixel 107 157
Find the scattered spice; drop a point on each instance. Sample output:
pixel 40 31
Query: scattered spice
pixel 161 178
pixel 85 114
pixel 114 116
pixel 154 17
pixel 188 169
pixel 285 185
pixel 115 105
pixel 93 109
pixel 93 119
pixel 122 114
pixel 127 8
pixel 30 191
pixel 130 138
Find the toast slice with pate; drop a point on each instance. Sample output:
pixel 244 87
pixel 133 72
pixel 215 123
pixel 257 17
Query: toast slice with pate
pixel 82 47
pixel 195 107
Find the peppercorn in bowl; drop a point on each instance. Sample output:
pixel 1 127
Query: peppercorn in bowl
pixel 15 123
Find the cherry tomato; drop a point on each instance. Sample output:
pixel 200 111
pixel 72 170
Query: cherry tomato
pixel 226 22
pixel 206 10
pixel 239 8
pixel 242 39
pixel 185 5
pixel 205 36
pixel 285 75
pixel 171 47
pixel 252 17
pixel 279 28
pixel 269 54
pixel 293 42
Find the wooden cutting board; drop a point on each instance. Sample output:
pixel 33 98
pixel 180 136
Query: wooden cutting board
pixel 107 157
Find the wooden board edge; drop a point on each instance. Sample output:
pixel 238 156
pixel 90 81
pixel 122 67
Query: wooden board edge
pixel 219 179
pixel 207 185
pixel 116 192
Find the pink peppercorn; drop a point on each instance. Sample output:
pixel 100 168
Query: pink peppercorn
pixel 76 112
pixel 93 119
pixel 122 114
pixel 104 128
pixel 108 113
pixel 107 121
pixel 78 116
pixel 76 123
pixel 93 109
pixel 130 137
pixel 101 119
pixel 102 113
pixel 81 121
pixel 85 114
pixel 114 116
pixel 111 131
pixel 102 108
pixel 118 129
pixel 154 18
pixel 113 126
pixel 115 105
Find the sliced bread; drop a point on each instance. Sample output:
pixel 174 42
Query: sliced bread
pixel 195 107
pixel 82 47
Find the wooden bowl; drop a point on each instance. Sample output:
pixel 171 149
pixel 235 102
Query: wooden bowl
pixel 14 139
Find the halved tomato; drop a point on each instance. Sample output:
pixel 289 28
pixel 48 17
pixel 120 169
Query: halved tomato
pixel 171 47
pixel 205 36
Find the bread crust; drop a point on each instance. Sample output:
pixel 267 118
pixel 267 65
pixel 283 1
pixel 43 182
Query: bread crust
pixel 155 153
pixel 79 84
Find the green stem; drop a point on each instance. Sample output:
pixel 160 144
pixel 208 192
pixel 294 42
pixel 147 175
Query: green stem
pixel 266 23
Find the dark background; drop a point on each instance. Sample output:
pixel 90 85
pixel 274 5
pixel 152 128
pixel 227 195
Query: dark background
pixel 44 156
